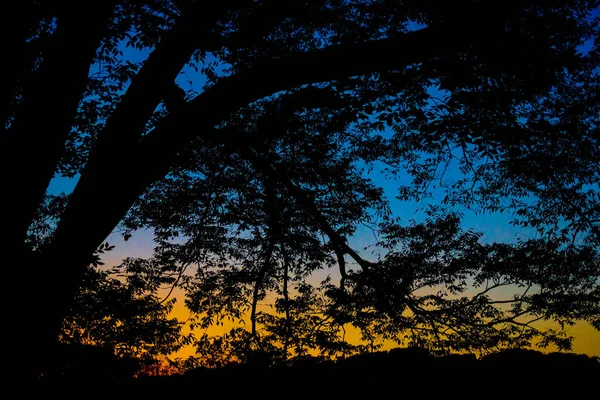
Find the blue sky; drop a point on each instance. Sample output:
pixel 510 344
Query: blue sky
pixel 495 227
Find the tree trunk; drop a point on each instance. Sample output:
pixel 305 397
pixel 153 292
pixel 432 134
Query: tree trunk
pixel 34 143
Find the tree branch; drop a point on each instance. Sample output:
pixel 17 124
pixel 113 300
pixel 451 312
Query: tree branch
pixel 309 205
pixel 156 153
pixel 286 301
pixel 43 119
pixel 153 83
pixel 259 281
pixel 155 79
pixel 271 76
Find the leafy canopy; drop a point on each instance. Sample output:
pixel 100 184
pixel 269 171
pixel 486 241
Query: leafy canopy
pixel 300 108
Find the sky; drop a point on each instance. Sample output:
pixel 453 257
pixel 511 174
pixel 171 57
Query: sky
pixel 494 227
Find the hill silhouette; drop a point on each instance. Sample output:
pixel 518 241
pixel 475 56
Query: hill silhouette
pixel 411 360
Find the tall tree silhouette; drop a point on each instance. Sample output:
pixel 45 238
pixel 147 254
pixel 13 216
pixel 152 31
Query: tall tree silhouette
pixel 120 313
pixel 296 96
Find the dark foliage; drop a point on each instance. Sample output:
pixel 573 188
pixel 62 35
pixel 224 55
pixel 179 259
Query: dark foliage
pixel 400 360
pixel 256 178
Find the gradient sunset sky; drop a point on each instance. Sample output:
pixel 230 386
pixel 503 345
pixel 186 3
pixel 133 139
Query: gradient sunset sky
pixel 494 227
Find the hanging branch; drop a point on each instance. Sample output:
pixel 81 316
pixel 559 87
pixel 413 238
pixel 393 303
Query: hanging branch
pixel 342 265
pixel 274 232
pixel 308 203
pixel 286 299
pixel 259 281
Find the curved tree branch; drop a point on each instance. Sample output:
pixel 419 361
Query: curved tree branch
pixel 34 143
pixel 155 154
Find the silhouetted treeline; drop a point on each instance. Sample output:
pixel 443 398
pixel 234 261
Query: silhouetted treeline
pixel 400 359
pixel 86 364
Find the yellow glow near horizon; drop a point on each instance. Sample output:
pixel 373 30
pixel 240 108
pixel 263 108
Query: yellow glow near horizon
pixel 587 339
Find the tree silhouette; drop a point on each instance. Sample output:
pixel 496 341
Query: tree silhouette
pixel 119 322
pixel 125 319
pixel 264 171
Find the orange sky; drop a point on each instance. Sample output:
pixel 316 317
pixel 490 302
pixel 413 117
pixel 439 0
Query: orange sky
pixel 587 339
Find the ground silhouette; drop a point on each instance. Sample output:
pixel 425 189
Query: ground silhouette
pixel 398 359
